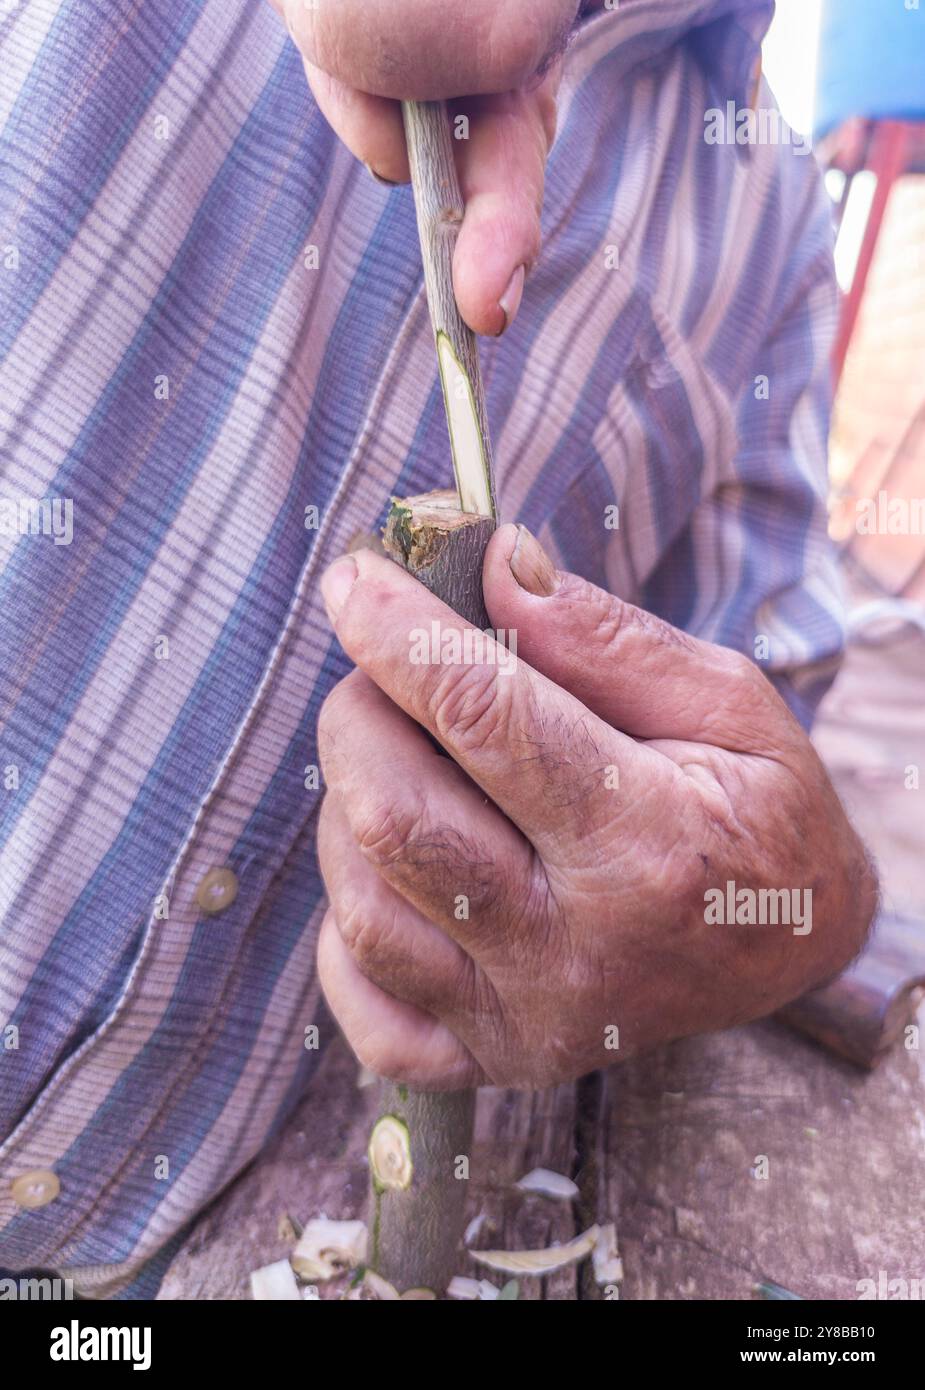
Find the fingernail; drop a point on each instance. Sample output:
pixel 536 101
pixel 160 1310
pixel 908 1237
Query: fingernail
pixel 389 183
pixel 532 567
pixel 509 302
pixel 336 583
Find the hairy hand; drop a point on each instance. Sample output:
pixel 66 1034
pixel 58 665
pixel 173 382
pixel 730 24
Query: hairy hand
pixel 499 63
pixel 555 895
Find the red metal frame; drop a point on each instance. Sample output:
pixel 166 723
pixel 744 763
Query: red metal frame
pixel 887 160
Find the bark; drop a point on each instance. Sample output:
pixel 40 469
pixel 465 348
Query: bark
pixel 443 547
pixel 418 1184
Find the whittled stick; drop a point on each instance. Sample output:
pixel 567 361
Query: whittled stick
pixel 440 209
pixel 418 1188
pixel 418 1194
pixel 443 547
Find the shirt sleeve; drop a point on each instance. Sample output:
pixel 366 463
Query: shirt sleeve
pixel 763 529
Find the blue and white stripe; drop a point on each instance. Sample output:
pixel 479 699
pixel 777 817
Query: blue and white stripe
pixel 140 258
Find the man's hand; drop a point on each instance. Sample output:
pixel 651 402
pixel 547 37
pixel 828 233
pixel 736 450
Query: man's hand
pixel 554 896
pixel 501 62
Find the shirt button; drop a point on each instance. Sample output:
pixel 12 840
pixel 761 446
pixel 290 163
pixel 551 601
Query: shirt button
pixel 217 890
pixel 35 1189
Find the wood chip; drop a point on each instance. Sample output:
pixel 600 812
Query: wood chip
pixel 539 1262
pixel 549 1184
pixel 469 1290
pixel 275 1283
pixel 473 1228
pixel 328 1248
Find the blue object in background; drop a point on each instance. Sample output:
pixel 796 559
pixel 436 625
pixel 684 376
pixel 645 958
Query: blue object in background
pixel 871 61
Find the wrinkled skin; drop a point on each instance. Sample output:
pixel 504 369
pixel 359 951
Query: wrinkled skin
pixel 498 61
pixel 586 900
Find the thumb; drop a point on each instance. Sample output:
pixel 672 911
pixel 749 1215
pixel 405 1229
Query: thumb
pixel 643 676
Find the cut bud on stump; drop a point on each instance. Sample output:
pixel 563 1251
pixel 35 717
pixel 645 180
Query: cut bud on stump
pixel 390 1155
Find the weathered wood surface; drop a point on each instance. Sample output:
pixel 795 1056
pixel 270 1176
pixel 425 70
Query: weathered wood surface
pixel 514 1134
pixel 678 1135
pixel 317 1165
pixel 667 1145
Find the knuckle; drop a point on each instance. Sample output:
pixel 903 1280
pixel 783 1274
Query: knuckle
pixel 365 927
pixel 470 707
pixel 516 50
pixel 384 829
pixel 473 996
pixel 301 21
pixel 394 1055
pixel 747 689
pixel 742 672
pixel 609 620
pixel 613 624
pixel 683 880
pixel 678 876
pixel 563 1057
pixel 503 52
pixel 328 720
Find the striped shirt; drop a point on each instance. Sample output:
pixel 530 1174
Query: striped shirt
pixel 217 366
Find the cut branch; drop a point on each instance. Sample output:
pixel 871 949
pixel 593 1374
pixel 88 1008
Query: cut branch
pixel 418 1199
pixel 443 547
pixel 418 1194
pixel 440 209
